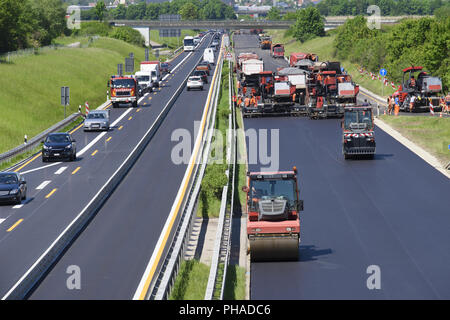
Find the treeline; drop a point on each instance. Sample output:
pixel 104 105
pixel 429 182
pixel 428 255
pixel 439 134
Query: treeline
pixel 103 29
pixel 387 7
pixel 419 42
pixel 188 9
pixel 30 23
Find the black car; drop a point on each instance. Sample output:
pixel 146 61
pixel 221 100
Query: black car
pixel 59 145
pixel 13 187
pixel 201 73
pixel 165 67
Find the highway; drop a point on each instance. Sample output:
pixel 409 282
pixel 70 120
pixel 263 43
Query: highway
pixel 112 252
pixel 391 212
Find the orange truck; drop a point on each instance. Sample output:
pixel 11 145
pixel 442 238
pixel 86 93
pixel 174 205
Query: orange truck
pixel 123 90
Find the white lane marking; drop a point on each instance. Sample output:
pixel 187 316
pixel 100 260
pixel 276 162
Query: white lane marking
pixel 60 170
pixel 17 206
pixel 1 220
pixel 39 168
pixel 143 97
pixel 43 185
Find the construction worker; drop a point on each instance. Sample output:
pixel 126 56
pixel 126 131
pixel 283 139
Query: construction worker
pixel 366 103
pixel 246 102
pixel 253 101
pixel 397 106
pixel 447 102
pixel 319 77
pixel 412 82
pixel 239 101
pixel 390 105
pixel 411 103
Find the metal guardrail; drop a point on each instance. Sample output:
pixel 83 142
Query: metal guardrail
pixel 221 252
pixel 167 275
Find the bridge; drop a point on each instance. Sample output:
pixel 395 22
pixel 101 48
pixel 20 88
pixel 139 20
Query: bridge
pixel 330 23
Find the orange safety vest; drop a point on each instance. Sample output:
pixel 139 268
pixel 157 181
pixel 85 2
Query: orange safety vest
pixel 246 102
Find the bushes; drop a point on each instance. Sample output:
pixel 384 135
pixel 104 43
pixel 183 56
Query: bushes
pixel 309 24
pixel 126 34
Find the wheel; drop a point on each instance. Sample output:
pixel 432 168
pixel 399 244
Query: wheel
pixel 24 196
pixel 187 88
pixel 135 104
pixel 44 159
pixel 74 157
pixel 347 156
pixel 19 198
pixel 201 88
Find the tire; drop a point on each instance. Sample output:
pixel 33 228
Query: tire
pixel 19 199
pixel 44 159
pixel 24 196
pixel 347 156
pixel 187 89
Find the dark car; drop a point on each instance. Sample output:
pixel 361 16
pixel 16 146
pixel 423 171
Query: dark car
pixel 201 73
pixel 13 187
pixel 59 145
pixel 165 67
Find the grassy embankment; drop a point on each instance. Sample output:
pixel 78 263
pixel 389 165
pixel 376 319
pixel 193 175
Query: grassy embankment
pixel 431 133
pixel 30 95
pixel 323 46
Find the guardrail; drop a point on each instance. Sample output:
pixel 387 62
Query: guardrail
pixel 221 252
pixel 167 275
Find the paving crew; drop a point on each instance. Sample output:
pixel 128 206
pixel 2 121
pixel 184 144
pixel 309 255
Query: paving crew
pixel 412 82
pixel 447 102
pixel 246 102
pixel 239 102
pixel 366 103
pixel 253 101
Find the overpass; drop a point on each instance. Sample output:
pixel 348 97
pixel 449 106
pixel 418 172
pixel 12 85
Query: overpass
pixel 330 23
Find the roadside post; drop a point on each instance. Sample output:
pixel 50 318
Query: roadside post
pixel 65 98
pixel 383 73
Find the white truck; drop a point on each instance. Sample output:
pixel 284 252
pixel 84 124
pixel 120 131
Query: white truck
pixel 155 71
pixel 252 66
pixel 208 55
pixel 144 79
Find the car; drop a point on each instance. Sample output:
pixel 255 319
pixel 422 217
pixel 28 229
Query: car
pixel 203 67
pixel 205 63
pixel 59 145
pixel 13 187
pixel 202 74
pixel 215 43
pixel 194 82
pixel 97 120
pixel 143 89
pixel 164 68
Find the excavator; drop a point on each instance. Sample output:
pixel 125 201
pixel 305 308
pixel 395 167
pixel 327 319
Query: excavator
pixel 273 223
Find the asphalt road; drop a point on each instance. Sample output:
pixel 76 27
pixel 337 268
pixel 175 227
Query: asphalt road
pixel 129 221
pixel 391 212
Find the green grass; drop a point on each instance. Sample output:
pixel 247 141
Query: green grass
pixel 431 133
pixel 191 281
pixel 323 46
pixel 30 95
pixel 235 283
pixel 171 42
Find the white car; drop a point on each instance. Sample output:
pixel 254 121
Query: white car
pixel 194 82
pixel 97 120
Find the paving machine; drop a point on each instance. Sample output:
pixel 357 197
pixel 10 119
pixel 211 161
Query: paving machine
pixel 358 138
pixel 329 91
pixel 421 88
pixel 265 42
pixel 273 224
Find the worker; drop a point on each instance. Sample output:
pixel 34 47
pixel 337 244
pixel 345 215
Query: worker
pixel 447 102
pixel 366 103
pixel 244 90
pixel 390 105
pixel 246 102
pixel 319 77
pixel 397 106
pixel 411 103
pixel 253 101
pixel 239 101
pixel 412 82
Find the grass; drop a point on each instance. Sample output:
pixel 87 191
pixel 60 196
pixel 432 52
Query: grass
pixel 171 42
pixel 209 203
pixel 30 95
pixel 431 133
pixel 191 281
pixel 323 46
pixel 235 283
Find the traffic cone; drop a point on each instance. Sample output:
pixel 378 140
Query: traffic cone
pixel 440 114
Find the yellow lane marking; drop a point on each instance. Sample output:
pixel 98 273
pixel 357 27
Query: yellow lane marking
pixel 73 130
pixel 130 118
pixel 172 221
pixel 76 170
pixel 138 110
pixel 14 225
pixel 50 194
pixel 29 161
pixel 108 139
pixel 120 128
pixel 93 153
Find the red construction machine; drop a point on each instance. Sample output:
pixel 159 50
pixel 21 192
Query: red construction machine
pixel 273 224
pixel 420 88
pixel 277 51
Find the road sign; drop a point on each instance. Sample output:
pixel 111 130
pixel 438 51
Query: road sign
pixel 129 65
pixel 383 72
pixel 163 33
pixel 120 69
pixel 147 54
pixel 65 96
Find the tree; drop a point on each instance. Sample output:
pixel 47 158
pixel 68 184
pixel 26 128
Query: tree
pixel 274 14
pixel 189 11
pixel 100 9
pixel 309 24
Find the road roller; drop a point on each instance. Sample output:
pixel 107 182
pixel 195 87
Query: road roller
pixel 273 224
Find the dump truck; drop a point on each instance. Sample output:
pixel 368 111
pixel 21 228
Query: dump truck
pixel 123 90
pixel 297 78
pixel 424 88
pixel 273 223
pixel 277 51
pixel 358 137
pixel 265 42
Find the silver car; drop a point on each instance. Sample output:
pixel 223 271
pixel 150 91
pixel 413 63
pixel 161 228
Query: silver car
pixel 97 120
pixel 194 82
